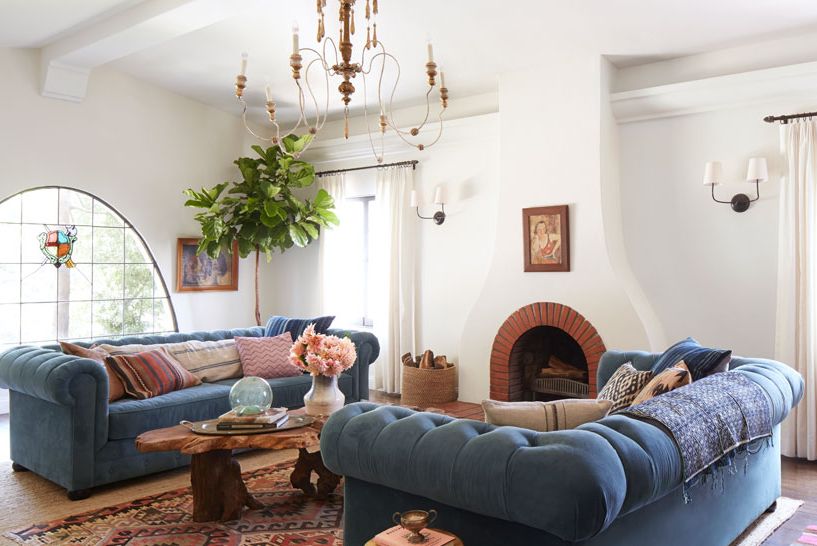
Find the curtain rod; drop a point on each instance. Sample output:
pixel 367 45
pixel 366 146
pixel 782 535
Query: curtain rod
pixel 413 164
pixel 785 119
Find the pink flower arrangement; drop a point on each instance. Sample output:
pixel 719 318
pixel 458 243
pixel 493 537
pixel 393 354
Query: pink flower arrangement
pixel 321 354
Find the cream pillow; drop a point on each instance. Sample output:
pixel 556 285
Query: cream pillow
pixel 207 360
pixel 545 416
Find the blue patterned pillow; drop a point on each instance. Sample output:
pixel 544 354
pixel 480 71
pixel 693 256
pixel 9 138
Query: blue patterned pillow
pixel 296 326
pixel 701 361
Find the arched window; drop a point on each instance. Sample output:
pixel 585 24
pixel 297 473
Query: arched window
pixel 72 268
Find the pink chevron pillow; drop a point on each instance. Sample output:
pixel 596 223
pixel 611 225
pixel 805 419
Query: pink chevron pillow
pixel 266 357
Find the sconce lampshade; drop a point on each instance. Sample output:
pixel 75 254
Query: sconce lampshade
pixel 758 170
pixel 713 173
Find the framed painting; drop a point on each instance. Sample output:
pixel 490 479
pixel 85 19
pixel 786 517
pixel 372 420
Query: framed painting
pixel 546 235
pixel 202 273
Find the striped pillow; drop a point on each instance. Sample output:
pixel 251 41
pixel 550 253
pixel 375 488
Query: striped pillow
pixel 701 361
pixel 210 361
pixel 151 373
pixel 267 357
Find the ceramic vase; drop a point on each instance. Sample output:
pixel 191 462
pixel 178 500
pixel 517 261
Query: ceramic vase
pixel 324 398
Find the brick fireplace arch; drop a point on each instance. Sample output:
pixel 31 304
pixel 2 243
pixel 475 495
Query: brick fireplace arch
pixel 506 380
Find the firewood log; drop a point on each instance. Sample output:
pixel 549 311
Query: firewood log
pixel 440 362
pixel 407 359
pixel 428 360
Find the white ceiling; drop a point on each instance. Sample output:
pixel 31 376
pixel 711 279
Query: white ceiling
pixel 474 40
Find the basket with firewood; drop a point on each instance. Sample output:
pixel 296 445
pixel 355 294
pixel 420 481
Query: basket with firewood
pixel 428 380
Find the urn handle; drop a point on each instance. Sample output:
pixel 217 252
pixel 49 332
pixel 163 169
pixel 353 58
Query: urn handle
pixel 432 515
pixel 396 518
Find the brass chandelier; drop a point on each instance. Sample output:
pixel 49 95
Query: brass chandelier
pixel 374 60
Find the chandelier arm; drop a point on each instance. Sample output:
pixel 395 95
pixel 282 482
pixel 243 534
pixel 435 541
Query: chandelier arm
pixel 379 158
pixel 246 125
pixel 428 109
pixel 319 123
pixel 311 93
pixel 326 42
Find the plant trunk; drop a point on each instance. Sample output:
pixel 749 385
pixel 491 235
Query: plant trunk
pixel 257 291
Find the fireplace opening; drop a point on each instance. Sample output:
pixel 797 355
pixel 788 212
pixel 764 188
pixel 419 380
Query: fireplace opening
pixel 558 346
pixel 552 364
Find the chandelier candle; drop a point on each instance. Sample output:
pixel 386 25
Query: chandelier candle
pixel 372 65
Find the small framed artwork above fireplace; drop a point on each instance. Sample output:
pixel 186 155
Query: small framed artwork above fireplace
pixel 546 236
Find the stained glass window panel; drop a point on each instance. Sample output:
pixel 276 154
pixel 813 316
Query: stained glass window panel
pixel 109 286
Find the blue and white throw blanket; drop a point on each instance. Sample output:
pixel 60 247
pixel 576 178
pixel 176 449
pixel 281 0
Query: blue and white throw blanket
pixel 710 418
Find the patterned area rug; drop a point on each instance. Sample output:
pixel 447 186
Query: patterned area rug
pixel 289 519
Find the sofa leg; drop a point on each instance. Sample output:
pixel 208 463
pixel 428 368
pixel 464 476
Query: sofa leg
pixel 79 494
pixel 772 508
pixel 18 467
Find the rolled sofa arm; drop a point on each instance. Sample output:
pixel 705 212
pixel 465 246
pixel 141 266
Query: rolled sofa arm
pixel 368 349
pixel 47 374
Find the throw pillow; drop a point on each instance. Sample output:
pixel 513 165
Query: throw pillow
pixel 151 373
pixel 624 386
pixel 668 380
pixel 545 416
pixel 701 361
pixel 115 388
pixel 296 326
pixel 267 357
pixel 210 361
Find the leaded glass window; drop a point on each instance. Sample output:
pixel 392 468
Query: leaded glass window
pixel 72 268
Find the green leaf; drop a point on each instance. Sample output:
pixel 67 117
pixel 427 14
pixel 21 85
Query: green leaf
pixel 294 144
pixel 329 216
pixel 310 229
pixel 323 200
pixel 298 234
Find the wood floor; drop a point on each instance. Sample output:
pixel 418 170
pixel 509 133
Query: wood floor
pixel 799 478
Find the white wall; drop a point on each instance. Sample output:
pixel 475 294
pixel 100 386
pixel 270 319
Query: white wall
pixel 709 272
pixel 136 147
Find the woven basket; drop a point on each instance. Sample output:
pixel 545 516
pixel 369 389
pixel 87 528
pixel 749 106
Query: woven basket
pixel 427 387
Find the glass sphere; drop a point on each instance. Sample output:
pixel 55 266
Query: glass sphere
pixel 250 396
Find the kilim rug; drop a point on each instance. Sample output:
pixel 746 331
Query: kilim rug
pixel 288 519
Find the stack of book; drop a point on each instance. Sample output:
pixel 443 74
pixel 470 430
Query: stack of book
pixel 397 536
pixel 270 419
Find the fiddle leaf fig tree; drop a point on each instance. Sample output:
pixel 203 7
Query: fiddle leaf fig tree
pixel 261 211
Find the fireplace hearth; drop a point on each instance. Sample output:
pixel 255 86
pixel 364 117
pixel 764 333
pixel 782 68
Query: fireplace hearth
pixel 545 351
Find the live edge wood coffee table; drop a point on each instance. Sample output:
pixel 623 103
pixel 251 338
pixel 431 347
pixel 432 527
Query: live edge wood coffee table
pixel 219 493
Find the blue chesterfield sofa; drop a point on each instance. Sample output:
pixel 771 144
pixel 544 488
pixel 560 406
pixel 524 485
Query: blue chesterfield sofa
pixel 615 482
pixel 64 429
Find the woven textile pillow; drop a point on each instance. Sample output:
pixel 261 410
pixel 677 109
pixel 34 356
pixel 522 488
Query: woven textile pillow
pixel 668 380
pixel 296 326
pixel 701 361
pixel 624 386
pixel 151 373
pixel 267 357
pixel 210 361
pixel 115 388
pixel 545 416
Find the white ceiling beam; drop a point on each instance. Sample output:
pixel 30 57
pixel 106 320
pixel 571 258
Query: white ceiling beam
pixel 67 63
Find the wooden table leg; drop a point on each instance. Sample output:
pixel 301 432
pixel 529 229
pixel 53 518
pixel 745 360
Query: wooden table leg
pixel 219 493
pixel 301 477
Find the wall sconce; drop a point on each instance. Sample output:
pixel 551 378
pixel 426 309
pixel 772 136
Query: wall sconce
pixel 758 172
pixel 439 216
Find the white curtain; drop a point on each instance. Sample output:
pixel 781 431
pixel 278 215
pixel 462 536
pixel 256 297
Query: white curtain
pixel 796 334
pixel 393 285
pixel 332 245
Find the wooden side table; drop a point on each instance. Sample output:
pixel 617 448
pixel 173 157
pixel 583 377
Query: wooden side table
pixel 457 541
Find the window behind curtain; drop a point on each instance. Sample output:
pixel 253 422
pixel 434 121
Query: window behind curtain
pixel 113 289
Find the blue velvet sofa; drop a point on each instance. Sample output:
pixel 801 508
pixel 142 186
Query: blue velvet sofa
pixel 64 429
pixel 614 482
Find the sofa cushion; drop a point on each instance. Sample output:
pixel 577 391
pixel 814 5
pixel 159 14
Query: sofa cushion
pixel 666 381
pixel 129 418
pixel 624 386
pixel 116 389
pixel 210 361
pixel 545 416
pixel 151 373
pixel 278 325
pixel 267 357
pixel 701 361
